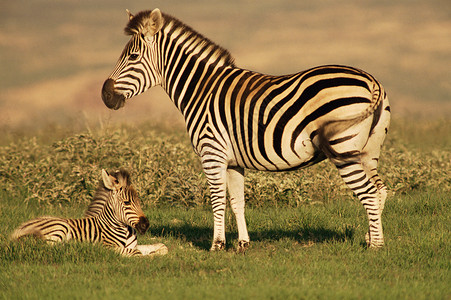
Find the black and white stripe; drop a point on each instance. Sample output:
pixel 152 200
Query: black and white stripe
pixel 240 119
pixel 113 218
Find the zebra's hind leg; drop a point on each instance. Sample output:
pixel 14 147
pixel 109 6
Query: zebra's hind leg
pixel 370 166
pixel 371 151
pixel 235 185
pixel 355 176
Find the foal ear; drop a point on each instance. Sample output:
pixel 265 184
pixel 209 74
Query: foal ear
pixel 107 180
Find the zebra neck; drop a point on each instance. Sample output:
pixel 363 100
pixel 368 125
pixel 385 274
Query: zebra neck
pixel 108 220
pixel 188 62
pixel 193 85
pixel 98 202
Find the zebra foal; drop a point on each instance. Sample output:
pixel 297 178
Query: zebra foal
pixel 240 119
pixel 112 218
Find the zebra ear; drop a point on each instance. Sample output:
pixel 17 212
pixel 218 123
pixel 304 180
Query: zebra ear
pixel 129 14
pixel 106 178
pixel 152 25
pixel 156 21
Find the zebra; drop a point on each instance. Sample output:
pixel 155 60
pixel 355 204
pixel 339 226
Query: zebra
pixel 239 119
pixel 112 218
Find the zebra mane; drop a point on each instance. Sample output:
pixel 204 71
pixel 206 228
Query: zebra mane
pixel 101 194
pixel 139 21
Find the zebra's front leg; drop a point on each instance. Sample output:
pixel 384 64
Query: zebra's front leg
pixel 143 250
pixel 235 184
pixel 128 251
pixel 216 174
pixel 154 249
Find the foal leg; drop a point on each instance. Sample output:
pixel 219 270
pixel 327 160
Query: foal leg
pixel 154 249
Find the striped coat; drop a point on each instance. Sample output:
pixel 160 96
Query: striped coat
pixel 238 119
pixel 113 218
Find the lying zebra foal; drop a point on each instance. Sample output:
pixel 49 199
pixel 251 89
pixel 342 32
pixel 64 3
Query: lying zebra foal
pixel 112 218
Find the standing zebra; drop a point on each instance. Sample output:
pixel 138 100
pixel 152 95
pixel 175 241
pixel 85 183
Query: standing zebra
pixel 112 218
pixel 239 119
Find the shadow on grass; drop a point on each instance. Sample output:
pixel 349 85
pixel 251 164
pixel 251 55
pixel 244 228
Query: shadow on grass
pixel 201 236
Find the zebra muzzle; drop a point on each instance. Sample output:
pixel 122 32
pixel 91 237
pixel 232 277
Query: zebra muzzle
pixel 110 97
pixel 143 225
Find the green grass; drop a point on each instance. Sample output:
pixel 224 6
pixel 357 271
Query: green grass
pixel 311 251
pixel 306 229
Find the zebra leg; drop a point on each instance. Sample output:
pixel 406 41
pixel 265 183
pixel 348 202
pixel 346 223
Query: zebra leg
pixel 139 250
pixel 354 175
pixel 119 248
pixel 371 151
pixel 128 251
pixel 216 173
pixel 235 185
pixel 155 249
pixel 370 166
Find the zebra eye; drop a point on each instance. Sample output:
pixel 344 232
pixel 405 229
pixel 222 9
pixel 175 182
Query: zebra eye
pixel 133 56
pixel 127 202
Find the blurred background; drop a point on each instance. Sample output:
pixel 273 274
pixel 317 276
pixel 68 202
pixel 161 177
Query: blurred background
pixel 55 55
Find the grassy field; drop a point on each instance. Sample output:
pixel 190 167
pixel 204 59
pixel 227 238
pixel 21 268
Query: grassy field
pixel 307 230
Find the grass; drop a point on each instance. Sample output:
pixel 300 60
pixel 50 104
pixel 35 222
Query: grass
pixel 307 231
pixel 296 253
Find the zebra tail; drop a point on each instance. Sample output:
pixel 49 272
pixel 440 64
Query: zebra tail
pixel 25 230
pixel 333 127
pixel 33 227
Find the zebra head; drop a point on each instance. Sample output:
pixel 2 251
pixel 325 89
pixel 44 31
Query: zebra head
pixel 123 200
pixel 136 70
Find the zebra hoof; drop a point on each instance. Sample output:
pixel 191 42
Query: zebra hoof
pixel 373 243
pixel 242 246
pixel 161 249
pixel 376 245
pixel 218 246
pixel 367 239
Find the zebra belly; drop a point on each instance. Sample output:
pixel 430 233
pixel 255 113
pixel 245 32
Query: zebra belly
pixel 264 156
